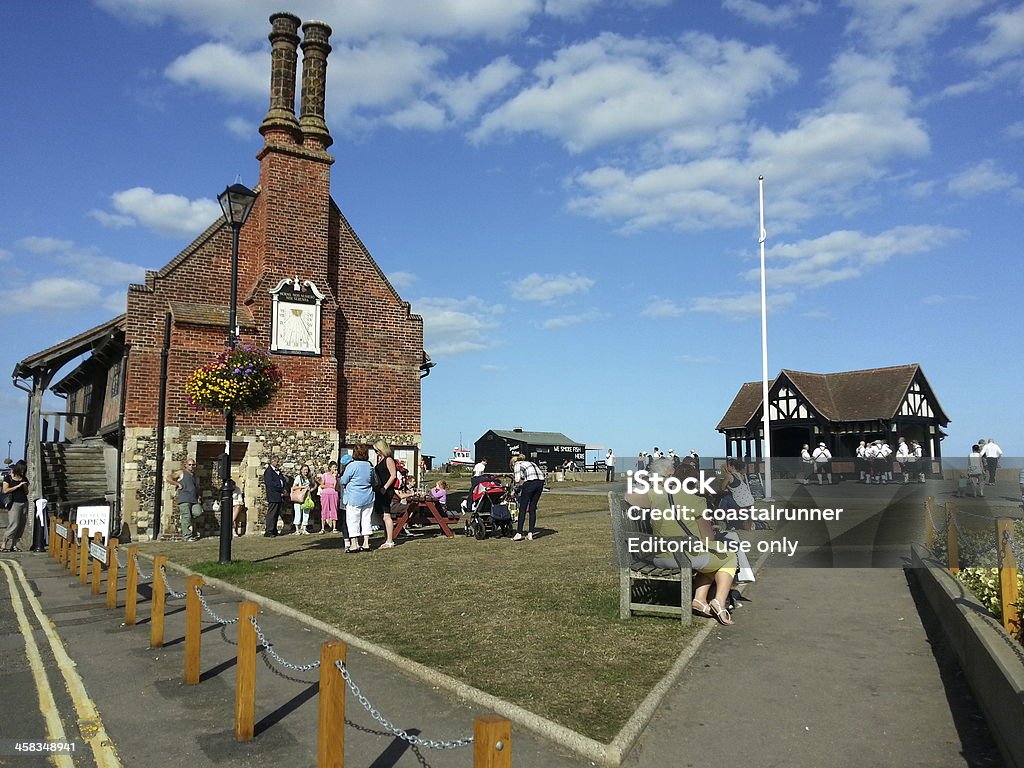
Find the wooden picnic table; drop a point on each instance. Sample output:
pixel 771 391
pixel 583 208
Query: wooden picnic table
pixel 423 510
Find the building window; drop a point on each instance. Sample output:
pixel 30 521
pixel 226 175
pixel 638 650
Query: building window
pixel 115 382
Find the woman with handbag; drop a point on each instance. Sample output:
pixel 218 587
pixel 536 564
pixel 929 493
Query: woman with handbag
pixel 302 498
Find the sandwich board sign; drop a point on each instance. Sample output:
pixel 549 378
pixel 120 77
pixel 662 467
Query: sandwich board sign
pixel 93 520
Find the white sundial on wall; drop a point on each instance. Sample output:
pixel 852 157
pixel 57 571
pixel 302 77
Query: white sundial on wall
pixel 295 326
pixel 296 317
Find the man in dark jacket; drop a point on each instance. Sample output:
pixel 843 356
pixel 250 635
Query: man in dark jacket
pixel 276 485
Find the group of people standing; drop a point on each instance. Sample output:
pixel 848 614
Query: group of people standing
pixel 348 494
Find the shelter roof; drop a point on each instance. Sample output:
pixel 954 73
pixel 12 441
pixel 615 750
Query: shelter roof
pixel 535 438
pixel 872 393
pixel 53 358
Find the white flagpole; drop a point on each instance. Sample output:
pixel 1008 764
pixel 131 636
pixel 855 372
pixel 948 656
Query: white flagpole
pixel 762 236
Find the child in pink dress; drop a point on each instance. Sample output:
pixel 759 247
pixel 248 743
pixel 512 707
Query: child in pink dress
pixel 329 497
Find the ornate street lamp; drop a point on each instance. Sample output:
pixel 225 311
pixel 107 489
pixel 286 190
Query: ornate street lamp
pixel 236 203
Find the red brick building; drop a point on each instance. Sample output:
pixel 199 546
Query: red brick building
pixel 356 377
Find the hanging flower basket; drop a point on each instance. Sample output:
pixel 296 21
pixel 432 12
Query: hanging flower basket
pixel 242 379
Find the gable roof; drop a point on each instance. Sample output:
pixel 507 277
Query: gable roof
pixel 873 393
pixel 535 438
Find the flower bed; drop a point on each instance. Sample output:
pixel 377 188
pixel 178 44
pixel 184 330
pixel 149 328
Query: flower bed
pixel 239 379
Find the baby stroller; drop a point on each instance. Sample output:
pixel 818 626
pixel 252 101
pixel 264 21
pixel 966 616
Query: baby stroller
pixel 487 512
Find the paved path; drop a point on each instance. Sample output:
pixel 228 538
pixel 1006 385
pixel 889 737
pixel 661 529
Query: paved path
pixel 823 667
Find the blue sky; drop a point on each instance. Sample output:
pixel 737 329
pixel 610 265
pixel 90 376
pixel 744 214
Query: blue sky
pixel 566 190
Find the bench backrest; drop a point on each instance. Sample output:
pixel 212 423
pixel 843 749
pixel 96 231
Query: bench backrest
pixel 624 528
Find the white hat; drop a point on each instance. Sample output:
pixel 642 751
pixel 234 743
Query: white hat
pixel 822 444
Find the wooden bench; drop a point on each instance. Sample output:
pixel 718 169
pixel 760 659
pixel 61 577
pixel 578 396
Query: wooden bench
pixel 641 583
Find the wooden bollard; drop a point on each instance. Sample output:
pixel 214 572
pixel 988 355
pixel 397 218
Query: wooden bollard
pixel 193 626
pixel 492 742
pixel 929 525
pixel 69 547
pixel 952 542
pixel 1009 591
pixel 51 544
pixel 83 561
pixel 72 553
pixel 97 567
pixel 156 616
pixel 330 732
pixel 61 541
pixel 131 588
pixel 112 570
pixel 245 683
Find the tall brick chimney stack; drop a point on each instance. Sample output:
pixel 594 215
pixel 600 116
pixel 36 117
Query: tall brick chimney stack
pixel 314 84
pixel 280 125
pixel 289 226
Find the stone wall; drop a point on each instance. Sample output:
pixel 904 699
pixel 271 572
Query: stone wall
pixel 295 447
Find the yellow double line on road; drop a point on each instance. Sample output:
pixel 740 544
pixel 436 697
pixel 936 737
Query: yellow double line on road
pixel 89 722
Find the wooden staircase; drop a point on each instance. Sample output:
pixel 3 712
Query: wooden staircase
pixel 75 474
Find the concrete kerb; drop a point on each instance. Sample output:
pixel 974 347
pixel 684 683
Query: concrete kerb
pixel 992 661
pixel 610 755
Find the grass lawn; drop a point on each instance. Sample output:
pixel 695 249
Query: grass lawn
pixel 532 622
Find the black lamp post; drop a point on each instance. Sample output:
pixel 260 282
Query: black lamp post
pixel 236 202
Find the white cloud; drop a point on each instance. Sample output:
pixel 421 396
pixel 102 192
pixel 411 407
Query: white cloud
pixel 401 280
pixel 165 214
pixel 659 307
pixel 565 321
pixel 937 299
pixel 1015 130
pixel 420 115
pixel 576 9
pixel 821 165
pixel 111 220
pixel 845 254
pixel 737 306
pixel 377 75
pixel 70 294
pixel 613 88
pixel 453 326
pixel 223 69
pixel 774 15
pixel 86 262
pixel 464 95
pixel 241 128
pixel 1005 38
pixel 360 19
pixel 980 179
pixel 45 246
pixel 547 288
pixel 891 24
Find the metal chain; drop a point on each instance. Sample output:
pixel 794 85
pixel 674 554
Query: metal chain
pixel 1013 547
pixel 117 556
pixel 142 575
pixel 968 545
pixel 269 648
pixel 209 610
pixel 936 528
pixel 416 741
pixel 167 585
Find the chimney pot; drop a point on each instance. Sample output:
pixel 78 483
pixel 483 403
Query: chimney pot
pixel 314 84
pixel 280 125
